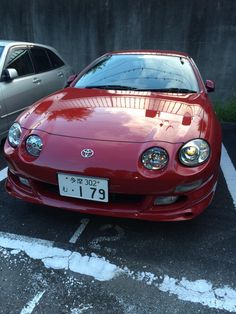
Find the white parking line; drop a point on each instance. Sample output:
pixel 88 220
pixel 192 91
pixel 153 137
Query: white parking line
pixel 57 258
pixel 28 309
pixel 201 291
pixel 229 173
pixel 79 231
pixel 198 291
pixel 3 174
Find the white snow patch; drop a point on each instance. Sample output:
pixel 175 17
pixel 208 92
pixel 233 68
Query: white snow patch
pixel 56 262
pixel 57 258
pixel 15 252
pixel 101 269
pixel 227 291
pixel 148 277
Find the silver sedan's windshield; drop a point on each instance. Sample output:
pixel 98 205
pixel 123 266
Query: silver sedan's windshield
pixel 141 72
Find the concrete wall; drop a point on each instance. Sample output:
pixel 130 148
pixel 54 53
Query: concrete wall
pixel 84 29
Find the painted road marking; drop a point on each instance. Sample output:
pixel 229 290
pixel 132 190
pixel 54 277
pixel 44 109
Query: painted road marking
pixel 79 231
pixel 97 243
pixel 197 291
pixel 28 309
pixel 3 174
pixel 200 291
pixel 229 173
pixel 57 258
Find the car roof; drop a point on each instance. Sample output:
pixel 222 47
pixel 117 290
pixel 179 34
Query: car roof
pixel 150 52
pixel 10 43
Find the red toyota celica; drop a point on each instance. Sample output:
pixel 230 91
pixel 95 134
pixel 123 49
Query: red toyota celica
pixel 134 135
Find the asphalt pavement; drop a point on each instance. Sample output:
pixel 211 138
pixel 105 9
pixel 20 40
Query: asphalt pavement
pixel 124 266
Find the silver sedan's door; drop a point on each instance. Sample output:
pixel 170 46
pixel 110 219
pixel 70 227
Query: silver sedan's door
pixel 3 118
pixel 61 71
pixel 50 70
pixel 21 92
pixel 52 80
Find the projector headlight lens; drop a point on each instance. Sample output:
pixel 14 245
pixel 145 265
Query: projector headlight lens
pixel 155 158
pixel 194 152
pixel 34 145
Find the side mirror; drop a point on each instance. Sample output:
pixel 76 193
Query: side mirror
pixel 9 75
pixel 70 79
pixel 210 86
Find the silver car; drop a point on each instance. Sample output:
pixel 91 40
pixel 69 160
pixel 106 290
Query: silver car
pixel 28 72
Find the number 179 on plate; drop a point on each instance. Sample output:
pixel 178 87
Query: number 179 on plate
pixel 88 188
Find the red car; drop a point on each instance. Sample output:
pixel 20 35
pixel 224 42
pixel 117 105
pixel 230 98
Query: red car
pixel 134 136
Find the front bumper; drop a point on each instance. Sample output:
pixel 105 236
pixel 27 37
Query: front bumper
pixel 132 190
pixel 189 205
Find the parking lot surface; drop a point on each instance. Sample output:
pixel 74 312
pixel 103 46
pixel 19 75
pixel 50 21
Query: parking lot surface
pixel 55 261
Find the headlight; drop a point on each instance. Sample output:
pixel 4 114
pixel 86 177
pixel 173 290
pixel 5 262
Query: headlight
pixel 34 145
pixel 155 158
pixel 194 152
pixel 14 135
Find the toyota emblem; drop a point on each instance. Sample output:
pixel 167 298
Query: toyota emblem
pixel 87 153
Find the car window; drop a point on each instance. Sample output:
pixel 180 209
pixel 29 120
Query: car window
pixel 141 72
pixel 20 60
pixel 55 60
pixel 40 59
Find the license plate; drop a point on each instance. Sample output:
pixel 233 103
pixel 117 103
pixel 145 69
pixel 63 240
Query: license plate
pixel 88 188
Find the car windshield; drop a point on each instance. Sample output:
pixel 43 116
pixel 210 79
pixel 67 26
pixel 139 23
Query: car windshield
pixel 141 72
pixel 1 50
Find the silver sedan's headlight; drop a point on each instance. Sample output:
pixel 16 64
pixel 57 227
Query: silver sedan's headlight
pixel 155 158
pixel 14 134
pixel 34 145
pixel 194 152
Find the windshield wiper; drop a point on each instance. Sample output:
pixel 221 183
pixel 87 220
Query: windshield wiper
pixel 173 90
pixel 118 87
pixel 124 87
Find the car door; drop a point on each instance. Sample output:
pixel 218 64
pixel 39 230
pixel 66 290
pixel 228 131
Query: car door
pixel 21 92
pixel 61 70
pixel 3 117
pixel 51 79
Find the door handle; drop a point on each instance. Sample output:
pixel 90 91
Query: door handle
pixel 60 74
pixel 36 80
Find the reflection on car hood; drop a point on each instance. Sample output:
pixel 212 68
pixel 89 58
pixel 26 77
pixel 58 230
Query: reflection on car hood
pixel 128 116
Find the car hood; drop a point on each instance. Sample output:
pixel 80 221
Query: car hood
pixel 127 116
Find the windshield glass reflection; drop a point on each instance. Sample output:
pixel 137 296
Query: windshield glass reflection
pixel 141 72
